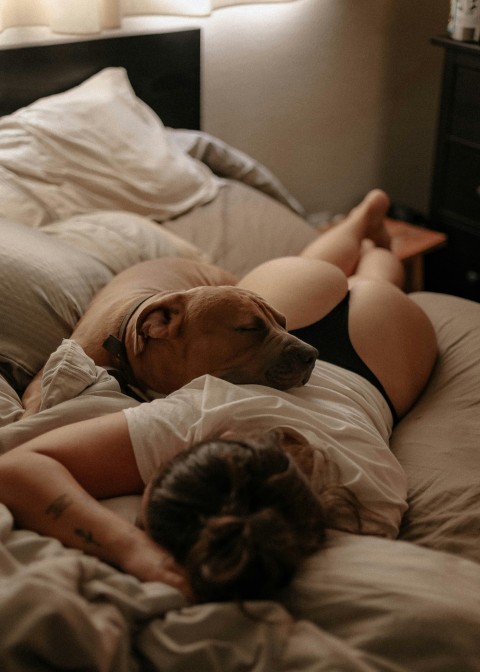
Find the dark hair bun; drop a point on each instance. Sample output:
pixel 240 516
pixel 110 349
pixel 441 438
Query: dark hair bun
pixel 249 557
pixel 238 515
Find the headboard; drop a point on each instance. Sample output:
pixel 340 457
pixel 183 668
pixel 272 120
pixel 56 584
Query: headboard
pixel 163 68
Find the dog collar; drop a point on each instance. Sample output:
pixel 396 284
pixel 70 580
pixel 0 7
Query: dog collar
pixel 115 345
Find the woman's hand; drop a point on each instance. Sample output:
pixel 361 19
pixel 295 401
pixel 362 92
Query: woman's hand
pixel 144 558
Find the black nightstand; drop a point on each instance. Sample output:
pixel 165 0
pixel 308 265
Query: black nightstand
pixel 455 202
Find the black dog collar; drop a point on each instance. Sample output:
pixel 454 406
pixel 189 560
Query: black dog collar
pixel 115 345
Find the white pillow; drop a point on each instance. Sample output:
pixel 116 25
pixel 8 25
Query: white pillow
pixel 96 146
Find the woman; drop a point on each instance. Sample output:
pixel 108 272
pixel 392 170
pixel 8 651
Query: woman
pixel 343 291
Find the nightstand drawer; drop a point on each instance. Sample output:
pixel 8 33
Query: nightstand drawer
pixel 456 268
pixel 466 105
pixel 461 183
pixel 464 266
pixel 455 202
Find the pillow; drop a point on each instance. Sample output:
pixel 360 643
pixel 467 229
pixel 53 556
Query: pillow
pixel 242 228
pixel 96 146
pixel 227 161
pixel 401 607
pixel 437 442
pixel 45 287
pixel 120 239
pixel 48 276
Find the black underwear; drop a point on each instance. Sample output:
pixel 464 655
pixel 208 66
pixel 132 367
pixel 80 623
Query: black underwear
pixel 331 338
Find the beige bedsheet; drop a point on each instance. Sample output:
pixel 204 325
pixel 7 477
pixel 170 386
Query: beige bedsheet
pixel 363 604
pixel 438 443
pixel 242 228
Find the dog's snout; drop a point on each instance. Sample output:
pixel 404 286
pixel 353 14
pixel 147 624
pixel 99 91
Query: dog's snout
pixel 294 367
pixel 306 356
pixel 307 353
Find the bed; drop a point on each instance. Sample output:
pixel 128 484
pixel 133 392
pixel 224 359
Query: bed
pixel 71 218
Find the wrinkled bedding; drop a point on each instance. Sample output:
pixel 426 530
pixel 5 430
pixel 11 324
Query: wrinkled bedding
pixel 438 442
pixel 362 604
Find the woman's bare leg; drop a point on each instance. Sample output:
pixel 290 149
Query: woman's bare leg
pixel 342 244
pixel 305 288
pixel 377 263
pixel 390 333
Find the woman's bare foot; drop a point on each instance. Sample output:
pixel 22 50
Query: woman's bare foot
pixel 369 217
pixel 343 244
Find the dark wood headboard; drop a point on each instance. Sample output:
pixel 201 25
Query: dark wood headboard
pixel 163 68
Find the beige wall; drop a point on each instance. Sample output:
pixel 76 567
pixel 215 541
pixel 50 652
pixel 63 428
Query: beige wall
pixel 335 96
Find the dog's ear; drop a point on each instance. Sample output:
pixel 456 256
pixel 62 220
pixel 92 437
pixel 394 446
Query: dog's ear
pixel 161 319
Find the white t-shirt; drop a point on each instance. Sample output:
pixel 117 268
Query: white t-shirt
pixel 338 412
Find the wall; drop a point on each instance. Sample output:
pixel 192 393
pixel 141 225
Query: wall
pixel 335 96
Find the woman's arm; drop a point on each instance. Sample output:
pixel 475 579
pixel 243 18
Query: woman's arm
pixel 51 483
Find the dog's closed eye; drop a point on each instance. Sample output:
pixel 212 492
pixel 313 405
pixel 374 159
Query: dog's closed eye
pixel 256 325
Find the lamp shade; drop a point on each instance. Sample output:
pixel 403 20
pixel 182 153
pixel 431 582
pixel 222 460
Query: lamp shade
pixel 93 16
pixel 184 7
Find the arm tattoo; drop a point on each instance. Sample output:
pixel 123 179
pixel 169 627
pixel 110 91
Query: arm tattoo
pixel 55 510
pixel 58 506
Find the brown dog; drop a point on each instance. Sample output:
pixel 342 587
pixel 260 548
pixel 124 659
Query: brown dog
pixel 166 321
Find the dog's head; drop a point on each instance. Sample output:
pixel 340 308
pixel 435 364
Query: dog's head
pixel 225 331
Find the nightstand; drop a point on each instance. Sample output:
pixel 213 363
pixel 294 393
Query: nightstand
pixel 455 198
pixel 410 243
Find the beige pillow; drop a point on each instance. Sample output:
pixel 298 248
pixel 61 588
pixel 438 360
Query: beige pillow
pixel 95 147
pixel 242 228
pixel 48 277
pixel 119 239
pixel 437 443
pixel 230 162
pixel 45 287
